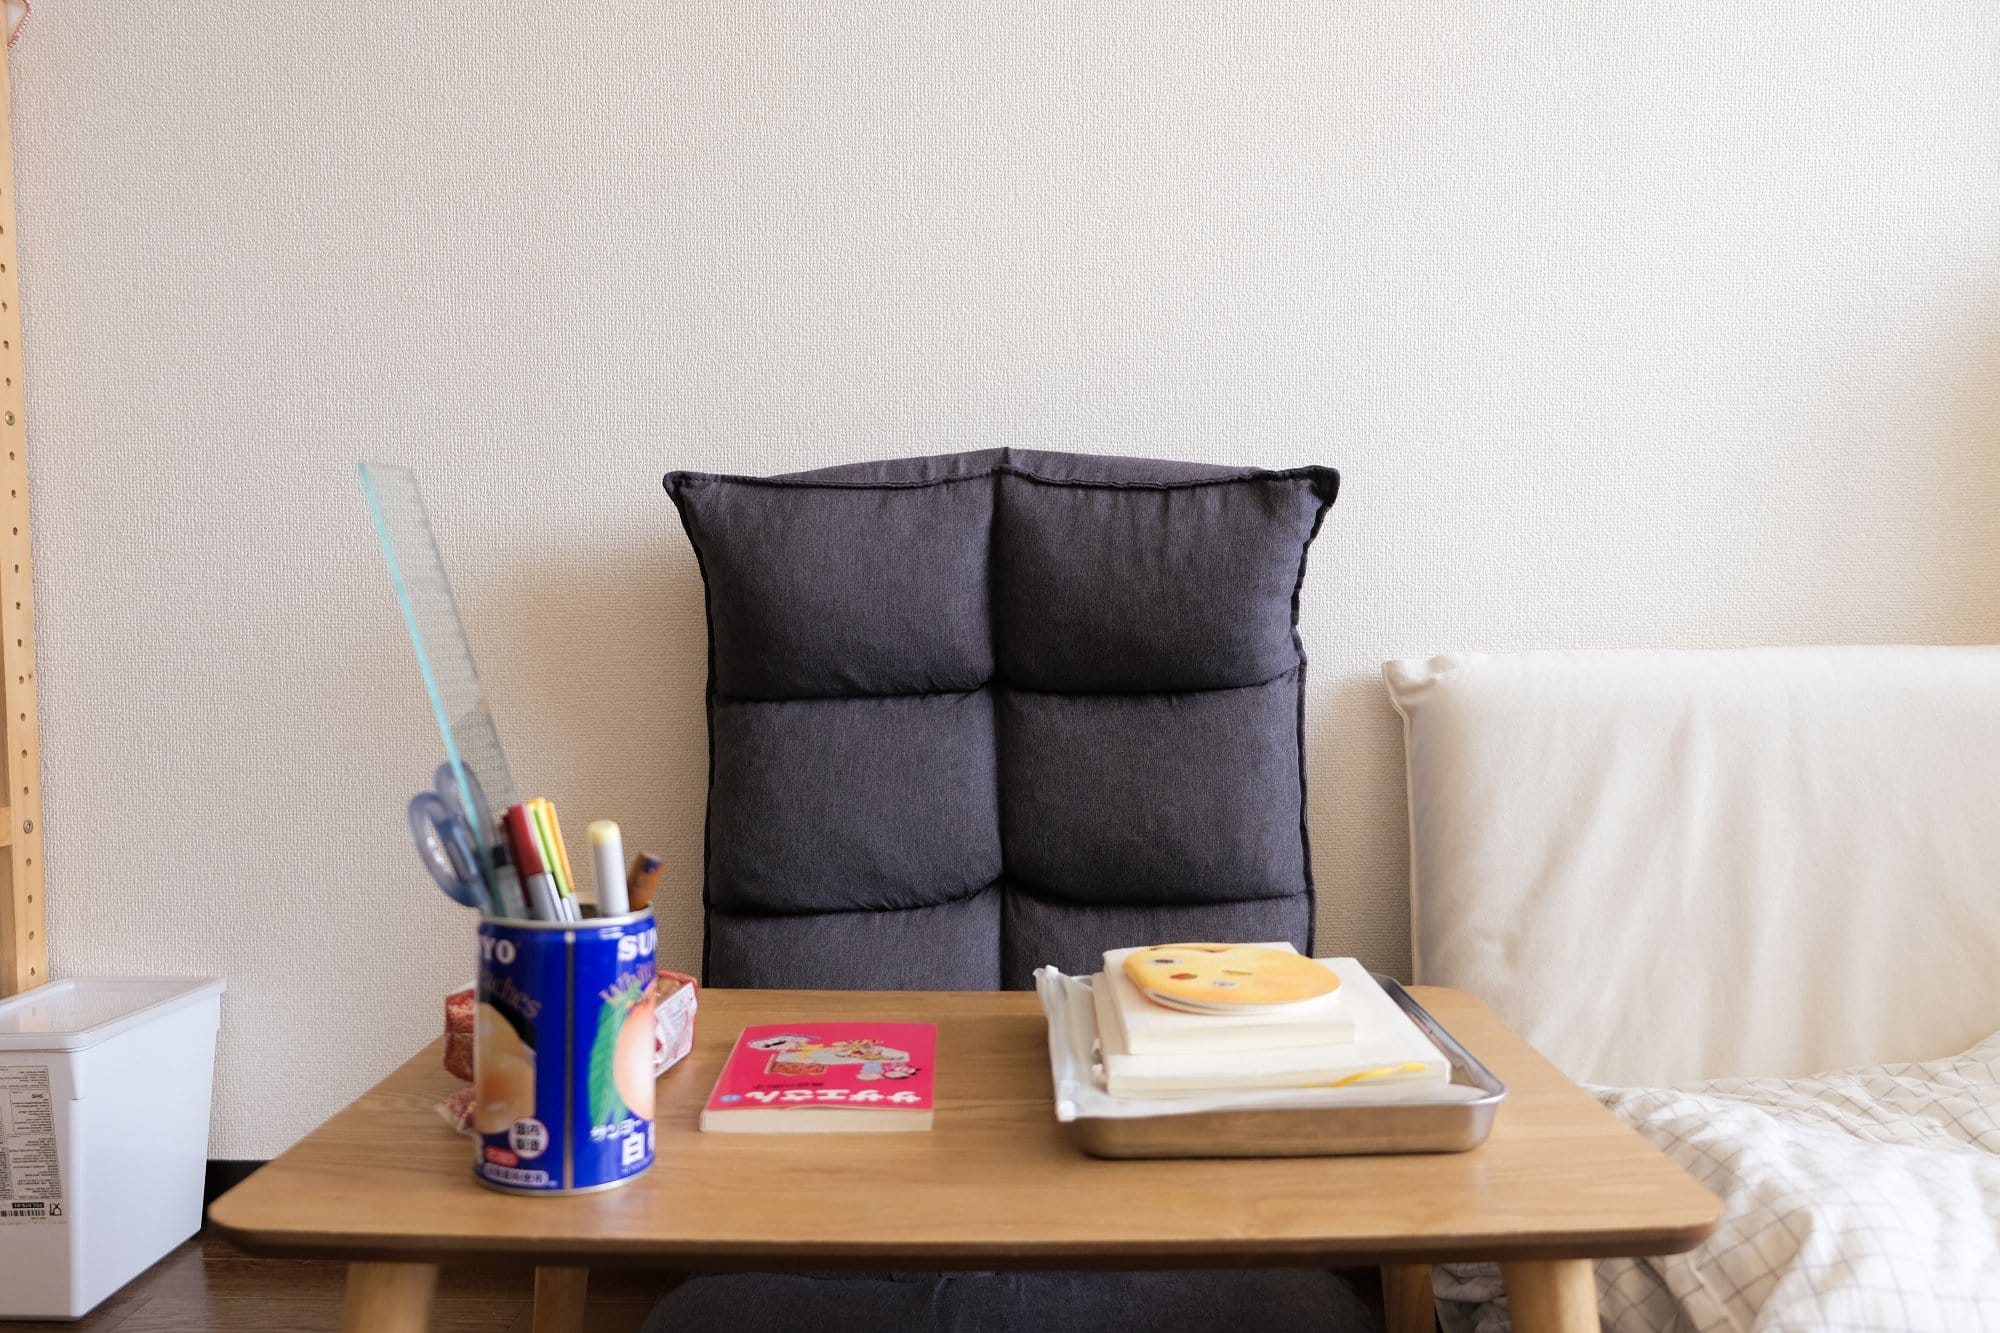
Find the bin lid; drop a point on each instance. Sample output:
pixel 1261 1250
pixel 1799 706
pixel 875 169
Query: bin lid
pixel 82 1011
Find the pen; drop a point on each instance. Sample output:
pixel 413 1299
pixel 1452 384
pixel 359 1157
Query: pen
pixel 507 883
pixel 644 880
pixel 543 818
pixel 607 857
pixel 534 872
pixel 545 848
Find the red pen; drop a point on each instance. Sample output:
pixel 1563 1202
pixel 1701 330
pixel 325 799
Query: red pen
pixel 534 872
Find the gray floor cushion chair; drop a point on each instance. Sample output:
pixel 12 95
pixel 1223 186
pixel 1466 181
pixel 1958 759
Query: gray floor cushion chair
pixel 976 713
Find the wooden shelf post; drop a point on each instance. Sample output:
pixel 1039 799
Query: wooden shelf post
pixel 24 945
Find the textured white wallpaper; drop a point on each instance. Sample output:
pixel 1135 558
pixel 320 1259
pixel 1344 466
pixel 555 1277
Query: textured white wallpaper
pixel 1674 323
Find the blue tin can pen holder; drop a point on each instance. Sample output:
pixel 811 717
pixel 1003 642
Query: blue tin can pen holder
pixel 563 1053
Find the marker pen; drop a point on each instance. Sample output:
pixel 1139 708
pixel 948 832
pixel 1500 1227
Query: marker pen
pixel 607 857
pixel 548 838
pixel 535 877
pixel 507 883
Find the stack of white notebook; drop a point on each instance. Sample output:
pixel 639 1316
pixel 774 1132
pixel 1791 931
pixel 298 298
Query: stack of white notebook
pixel 1354 1035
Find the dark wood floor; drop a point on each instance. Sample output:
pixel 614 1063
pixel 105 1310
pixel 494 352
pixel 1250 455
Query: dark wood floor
pixel 207 1285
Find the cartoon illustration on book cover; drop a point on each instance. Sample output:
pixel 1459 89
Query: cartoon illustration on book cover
pixel 802 1055
pixel 890 1066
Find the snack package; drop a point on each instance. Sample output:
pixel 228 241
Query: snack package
pixel 458 1033
pixel 457 1111
pixel 674 1004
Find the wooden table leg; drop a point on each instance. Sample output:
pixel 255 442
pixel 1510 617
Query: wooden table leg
pixel 1407 1298
pixel 559 1298
pixel 389 1298
pixel 1552 1295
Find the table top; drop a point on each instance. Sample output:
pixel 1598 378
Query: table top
pixel 995 1184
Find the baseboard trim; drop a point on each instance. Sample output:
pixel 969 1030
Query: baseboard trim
pixel 225 1174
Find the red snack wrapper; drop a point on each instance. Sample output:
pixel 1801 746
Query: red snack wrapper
pixel 458 1033
pixel 457 1110
pixel 674 1004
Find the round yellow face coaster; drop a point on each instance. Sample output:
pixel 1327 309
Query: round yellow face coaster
pixel 1228 974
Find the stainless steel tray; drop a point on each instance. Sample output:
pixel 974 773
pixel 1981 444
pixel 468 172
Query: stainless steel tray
pixel 1322 1131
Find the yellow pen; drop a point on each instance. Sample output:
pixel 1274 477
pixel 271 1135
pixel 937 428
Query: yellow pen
pixel 538 817
pixel 545 818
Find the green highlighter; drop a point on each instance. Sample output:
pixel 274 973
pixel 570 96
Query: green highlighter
pixel 548 833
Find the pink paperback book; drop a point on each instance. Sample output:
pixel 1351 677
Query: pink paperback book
pixel 826 1078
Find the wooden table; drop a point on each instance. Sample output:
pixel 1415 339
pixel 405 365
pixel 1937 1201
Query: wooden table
pixel 387 1187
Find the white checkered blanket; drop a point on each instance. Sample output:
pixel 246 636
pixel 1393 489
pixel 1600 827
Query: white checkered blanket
pixel 1867 1199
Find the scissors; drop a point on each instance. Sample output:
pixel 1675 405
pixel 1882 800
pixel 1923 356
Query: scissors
pixel 446 836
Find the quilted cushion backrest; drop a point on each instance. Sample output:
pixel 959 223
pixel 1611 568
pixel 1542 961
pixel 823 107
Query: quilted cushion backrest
pixel 973 714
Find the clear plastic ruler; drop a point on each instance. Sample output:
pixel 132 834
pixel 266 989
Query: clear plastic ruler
pixel 471 743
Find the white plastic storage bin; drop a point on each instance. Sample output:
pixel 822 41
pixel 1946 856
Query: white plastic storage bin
pixel 104 1090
